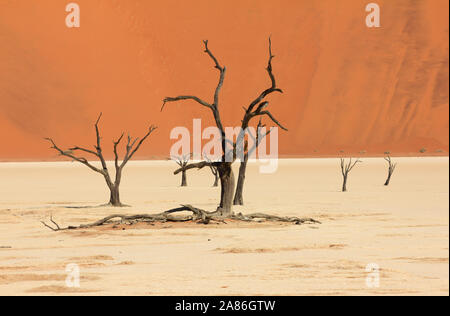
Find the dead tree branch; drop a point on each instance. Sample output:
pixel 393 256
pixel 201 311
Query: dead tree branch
pixel 196 165
pixel 198 216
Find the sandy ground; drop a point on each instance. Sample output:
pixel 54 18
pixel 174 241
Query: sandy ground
pixel 402 228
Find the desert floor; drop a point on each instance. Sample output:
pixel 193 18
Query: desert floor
pixel 402 228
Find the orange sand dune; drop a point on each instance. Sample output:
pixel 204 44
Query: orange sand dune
pixel 347 87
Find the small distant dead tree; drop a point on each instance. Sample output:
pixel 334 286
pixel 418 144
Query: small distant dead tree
pixel 213 169
pixel 183 161
pixel 215 173
pixel 345 169
pixel 198 215
pixel 132 146
pixel 391 169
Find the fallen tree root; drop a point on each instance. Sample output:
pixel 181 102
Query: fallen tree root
pixel 198 215
pixel 265 217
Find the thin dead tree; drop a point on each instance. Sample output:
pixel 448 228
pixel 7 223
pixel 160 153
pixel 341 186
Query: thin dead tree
pixel 132 146
pixel 391 169
pixel 238 195
pixel 345 169
pixel 183 161
pixel 257 108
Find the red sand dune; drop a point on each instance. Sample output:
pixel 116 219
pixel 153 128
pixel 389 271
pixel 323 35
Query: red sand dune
pixel 347 87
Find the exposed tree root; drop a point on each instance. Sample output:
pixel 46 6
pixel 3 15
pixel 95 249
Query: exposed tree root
pixel 198 215
pixel 273 218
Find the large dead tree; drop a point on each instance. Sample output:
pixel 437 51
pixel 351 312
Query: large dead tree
pixel 256 108
pixel 132 146
pixel 391 169
pixel 183 161
pixel 345 169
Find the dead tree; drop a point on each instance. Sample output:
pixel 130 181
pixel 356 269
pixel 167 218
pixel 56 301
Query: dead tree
pixel 257 108
pixel 132 146
pixel 214 171
pixel 238 195
pixel 391 169
pixel 182 162
pixel 346 168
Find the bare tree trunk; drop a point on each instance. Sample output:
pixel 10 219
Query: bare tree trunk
pixel 183 179
pixel 344 184
pixel 216 180
pixel 238 196
pixel 114 199
pixel 227 188
pixel 388 180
